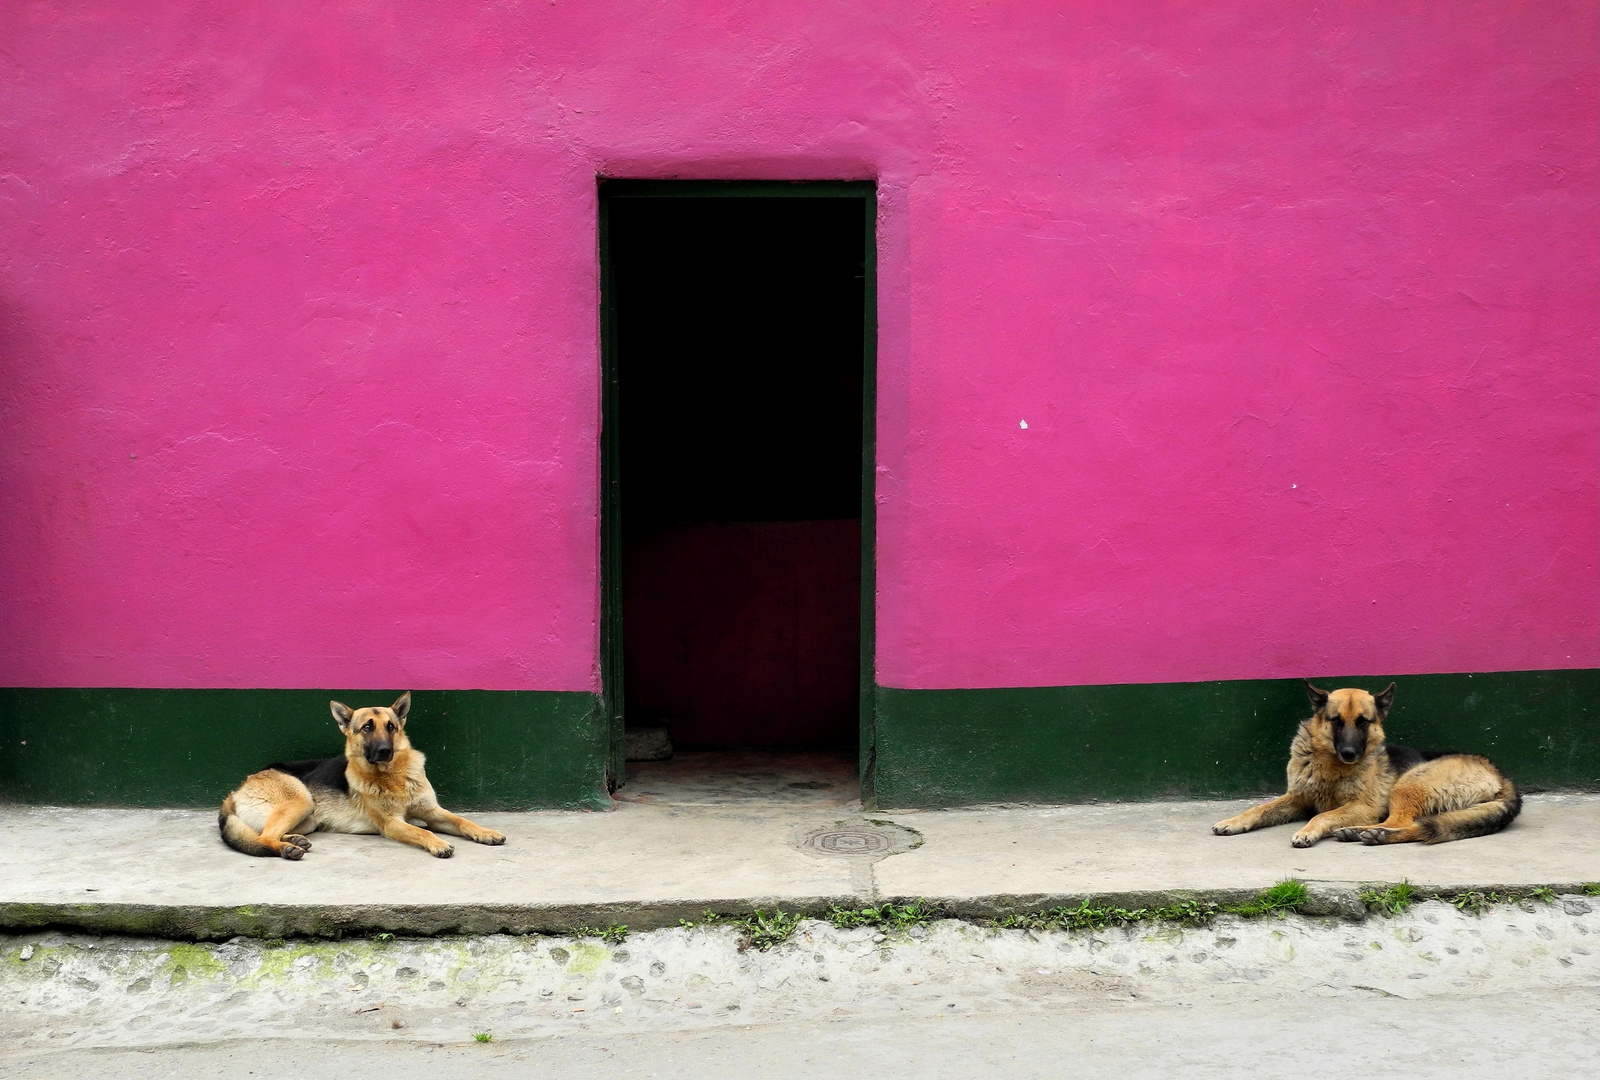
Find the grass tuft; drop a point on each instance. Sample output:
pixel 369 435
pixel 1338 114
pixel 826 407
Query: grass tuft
pixel 889 916
pixel 759 930
pixel 1091 916
pixel 615 934
pixel 483 1036
pixel 1282 898
pixel 1279 900
pixel 1475 901
pixel 762 930
pixel 1394 900
pixel 1086 916
pixel 1592 888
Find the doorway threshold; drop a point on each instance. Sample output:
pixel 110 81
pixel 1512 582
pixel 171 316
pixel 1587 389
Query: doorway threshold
pixel 810 779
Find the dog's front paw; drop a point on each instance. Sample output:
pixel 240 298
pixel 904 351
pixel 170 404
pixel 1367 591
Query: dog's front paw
pixel 292 852
pixel 1228 828
pixel 1376 835
pixel 443 851
pixel 1346 834
pixel 490 837
pixel 1304 839
pixel 297 840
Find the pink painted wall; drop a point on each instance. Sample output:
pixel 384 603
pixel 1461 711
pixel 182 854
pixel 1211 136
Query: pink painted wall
pixel 298 359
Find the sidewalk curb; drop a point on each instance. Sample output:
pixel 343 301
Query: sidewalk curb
pixel 200 922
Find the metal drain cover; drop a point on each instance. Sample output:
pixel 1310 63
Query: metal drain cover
pixel 858 840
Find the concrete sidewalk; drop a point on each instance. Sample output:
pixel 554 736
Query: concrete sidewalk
pixel 725 833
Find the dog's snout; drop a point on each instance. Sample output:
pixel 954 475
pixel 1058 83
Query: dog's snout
pixel 1350 742
pixel 378 753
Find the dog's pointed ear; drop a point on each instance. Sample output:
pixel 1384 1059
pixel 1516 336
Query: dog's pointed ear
pixel 402 706
pixel 341 713
pixel 1319 698
pixel 1384 700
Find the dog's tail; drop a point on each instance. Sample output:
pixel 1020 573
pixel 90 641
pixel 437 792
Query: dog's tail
pixel 1480 820
pixel 239 836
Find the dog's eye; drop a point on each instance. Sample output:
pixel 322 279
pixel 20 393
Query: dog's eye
pixel 391 728
pixel 1363 721
pixel 368 727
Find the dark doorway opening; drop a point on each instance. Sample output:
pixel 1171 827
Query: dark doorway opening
pixel 738 326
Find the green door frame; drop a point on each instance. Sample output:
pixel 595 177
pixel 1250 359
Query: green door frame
pixel 611 694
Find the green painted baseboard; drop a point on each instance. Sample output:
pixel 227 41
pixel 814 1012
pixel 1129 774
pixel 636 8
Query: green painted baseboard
pixel 1217 739
pixel 512 750
pixel 487 749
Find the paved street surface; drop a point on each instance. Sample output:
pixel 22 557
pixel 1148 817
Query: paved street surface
pixel 720 831
pixel 1221 1038
pixel 1513 992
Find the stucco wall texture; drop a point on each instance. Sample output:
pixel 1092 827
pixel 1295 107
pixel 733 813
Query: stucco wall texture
pixel 299 375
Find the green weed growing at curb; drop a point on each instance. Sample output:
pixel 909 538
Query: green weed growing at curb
pixel 708 918
pixel 762 930
pixel 889 916
pixel 1091 916
pixel 1476 902
pixel 1282 898
pixel 1592 888
pixel 614 934
pixel 483 1036
pixel 759 930
pixel 1394 900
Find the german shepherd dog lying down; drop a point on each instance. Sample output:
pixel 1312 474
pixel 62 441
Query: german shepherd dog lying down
pixel 1355 787
pixel 377 786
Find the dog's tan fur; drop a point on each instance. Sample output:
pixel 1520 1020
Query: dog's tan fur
pixel 1387 795
pixel 269 813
